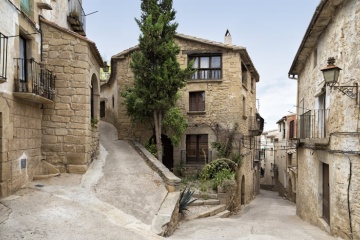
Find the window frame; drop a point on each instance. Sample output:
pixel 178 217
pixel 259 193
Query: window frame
pixel 197 75
pixel 3 56
pixel 195 155
pixel 195 98
pixel 244 75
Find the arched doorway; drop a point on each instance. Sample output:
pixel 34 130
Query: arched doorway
pixel 243 190
pixel 168 158
pixel 168 151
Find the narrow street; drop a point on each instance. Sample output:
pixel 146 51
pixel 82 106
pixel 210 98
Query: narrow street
pixel 117 199
pixel 268 217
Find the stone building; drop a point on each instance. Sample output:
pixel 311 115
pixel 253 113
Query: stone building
pixel 328 119
pixel 49 91
pixel 285 161
pixel 268 138
pixel 219 95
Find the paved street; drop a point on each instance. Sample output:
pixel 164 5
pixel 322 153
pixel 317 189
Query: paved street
pixel 117 199
pixel 267 217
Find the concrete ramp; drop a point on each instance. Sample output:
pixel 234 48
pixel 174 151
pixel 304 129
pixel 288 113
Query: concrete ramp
pixel 128 182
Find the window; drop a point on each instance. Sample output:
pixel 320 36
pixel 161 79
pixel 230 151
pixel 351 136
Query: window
pixel 252 83
pixel 244 74
pixel 3 56
pixel 284 135
pixel 102 109
pixel 292 129
pixel 305 124
pixel 321 115
pixel 113 101
pixel 25 5
pixel 208 67
pixel 197 148
pixel 244 107
pixel 197 101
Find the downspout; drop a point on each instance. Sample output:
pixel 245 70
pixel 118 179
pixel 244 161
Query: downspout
pixel 348 198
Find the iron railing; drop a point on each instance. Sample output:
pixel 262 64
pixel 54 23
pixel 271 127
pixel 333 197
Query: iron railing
pixel 313 124
pixel 3 56
pixel 205 74
pixel 77 13
pixel 31 78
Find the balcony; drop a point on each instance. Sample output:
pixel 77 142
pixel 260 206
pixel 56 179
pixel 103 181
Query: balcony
pixel 76 17
pixel 3 57
pixel 313 127
pixel 256 125
pixel 32 82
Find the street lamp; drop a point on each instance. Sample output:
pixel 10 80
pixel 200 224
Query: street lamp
pixel 106 67
pixel 331 74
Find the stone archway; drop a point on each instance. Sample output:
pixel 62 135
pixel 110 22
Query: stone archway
pixel 243 190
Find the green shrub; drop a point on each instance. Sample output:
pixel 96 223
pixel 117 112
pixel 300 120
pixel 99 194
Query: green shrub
pixel 211 169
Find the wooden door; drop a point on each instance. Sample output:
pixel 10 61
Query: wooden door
pixel 326 193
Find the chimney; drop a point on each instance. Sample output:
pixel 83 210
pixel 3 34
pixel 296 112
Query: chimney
pixel 228 39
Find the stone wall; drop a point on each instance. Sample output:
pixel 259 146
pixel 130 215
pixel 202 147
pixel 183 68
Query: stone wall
pixel 342 126
pixel 20 140
pixel 70 138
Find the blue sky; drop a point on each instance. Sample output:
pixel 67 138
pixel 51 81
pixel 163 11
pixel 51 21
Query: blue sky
pixel 271 31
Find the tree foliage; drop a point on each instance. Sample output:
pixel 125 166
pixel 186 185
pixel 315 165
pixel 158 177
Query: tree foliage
pixel 158 75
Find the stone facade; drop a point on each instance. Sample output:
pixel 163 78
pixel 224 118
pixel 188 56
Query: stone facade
pixel 45 93
pixel 285 158
pixel 228 100
pixel 328 121
pixel 268 138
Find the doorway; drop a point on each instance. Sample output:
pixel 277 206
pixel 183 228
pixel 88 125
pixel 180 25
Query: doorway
pixel 243 190
pixel 326 193
pixel 168 151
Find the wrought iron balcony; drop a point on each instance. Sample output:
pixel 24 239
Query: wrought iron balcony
pixel 312 124
pixel 256 125
pixel 32 82
pixel 76 17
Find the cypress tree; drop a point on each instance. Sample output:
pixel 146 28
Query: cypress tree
pixel 158 75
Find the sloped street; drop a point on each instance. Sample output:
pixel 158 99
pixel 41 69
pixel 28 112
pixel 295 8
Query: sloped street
pixel 117 199
pixel 268 217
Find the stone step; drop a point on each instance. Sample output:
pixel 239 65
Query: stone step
pixel 223 214
pixel 209 212
pixel 200 202
pixel 205 195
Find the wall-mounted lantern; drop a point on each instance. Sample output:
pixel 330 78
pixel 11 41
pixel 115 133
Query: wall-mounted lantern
pixel 331 74
pixel 106 67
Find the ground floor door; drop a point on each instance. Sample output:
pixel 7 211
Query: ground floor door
pixel 168 157
pixel 326 193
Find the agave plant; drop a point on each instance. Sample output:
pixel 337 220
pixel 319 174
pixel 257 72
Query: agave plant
pixel 185 199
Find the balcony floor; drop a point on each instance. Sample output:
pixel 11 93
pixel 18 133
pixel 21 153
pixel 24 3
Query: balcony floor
pixel 31 97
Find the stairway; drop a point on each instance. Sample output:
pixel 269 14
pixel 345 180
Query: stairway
pixel 206 205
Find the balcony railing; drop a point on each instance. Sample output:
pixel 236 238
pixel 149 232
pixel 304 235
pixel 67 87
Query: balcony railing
pixel 3 57
pixel 31 78
pixel 76 17
pixel 256 125
pixel 313 124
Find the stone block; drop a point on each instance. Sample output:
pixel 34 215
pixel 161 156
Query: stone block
pixel 81 49
pixel 77 169
pixel 61 132
pixel 65 113
pixel 60 119
pixel 76 158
